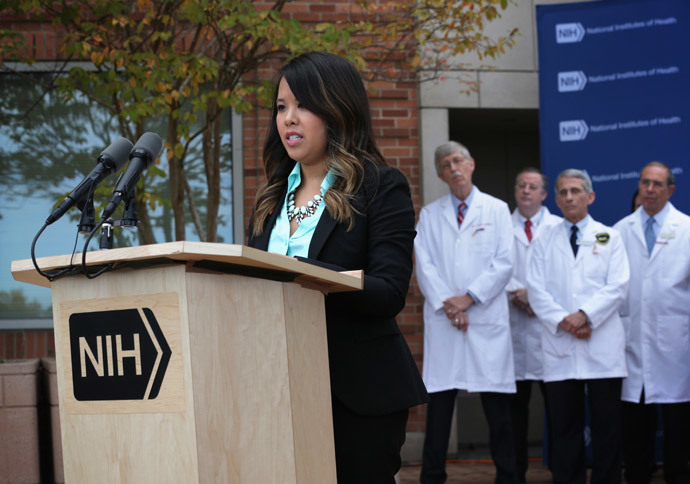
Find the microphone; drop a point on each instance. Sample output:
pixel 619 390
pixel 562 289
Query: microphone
pixel 146 150
pixel 110 161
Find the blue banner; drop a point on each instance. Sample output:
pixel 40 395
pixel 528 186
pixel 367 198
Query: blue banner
pixel 614 94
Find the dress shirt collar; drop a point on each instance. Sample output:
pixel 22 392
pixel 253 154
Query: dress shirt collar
pixel 659 218
pixel 295 179
pixel 581 225
pixel 536 218
pixel 468 200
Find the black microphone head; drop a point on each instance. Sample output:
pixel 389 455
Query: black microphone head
pixel 116 155
pixel 148 147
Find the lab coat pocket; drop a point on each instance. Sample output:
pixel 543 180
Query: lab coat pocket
pixel 561 344
pixel 481 238
pixel 673 333
pixel 607 341
pixel 481 248
pixel 596 265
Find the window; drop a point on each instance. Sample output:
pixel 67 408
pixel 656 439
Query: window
pixel 46 149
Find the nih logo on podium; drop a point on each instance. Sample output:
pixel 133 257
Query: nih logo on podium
pixel 117 355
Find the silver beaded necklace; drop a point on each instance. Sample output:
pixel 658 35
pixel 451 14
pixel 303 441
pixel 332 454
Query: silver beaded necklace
pixel 300 213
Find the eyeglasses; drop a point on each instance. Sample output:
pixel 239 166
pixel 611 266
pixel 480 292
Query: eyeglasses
pixel 655 183
pixel 531 187
pixel 456 160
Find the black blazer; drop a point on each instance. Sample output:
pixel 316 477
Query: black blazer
pixel 371 367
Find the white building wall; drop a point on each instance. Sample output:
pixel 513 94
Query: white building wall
pixel 508 82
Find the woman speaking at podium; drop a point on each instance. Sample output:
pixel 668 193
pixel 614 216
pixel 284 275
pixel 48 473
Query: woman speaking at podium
pixel 332 201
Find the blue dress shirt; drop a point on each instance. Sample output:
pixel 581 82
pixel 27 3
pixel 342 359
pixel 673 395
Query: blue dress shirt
pixel 659 219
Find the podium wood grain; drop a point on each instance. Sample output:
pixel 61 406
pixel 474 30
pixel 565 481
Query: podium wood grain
pixel 149 444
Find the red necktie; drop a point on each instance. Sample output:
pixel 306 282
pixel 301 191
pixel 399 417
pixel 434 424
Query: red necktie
pixel 461 213
pixel 528 230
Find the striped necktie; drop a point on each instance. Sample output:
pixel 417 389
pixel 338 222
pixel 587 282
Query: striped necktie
pixel 461 213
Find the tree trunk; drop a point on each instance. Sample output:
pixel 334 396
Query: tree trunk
pixel 211 144
pixel 176 181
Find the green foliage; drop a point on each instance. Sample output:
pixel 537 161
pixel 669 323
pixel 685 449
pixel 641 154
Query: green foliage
pixel 189 60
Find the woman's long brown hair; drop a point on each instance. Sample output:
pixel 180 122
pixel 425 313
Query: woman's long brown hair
pixel 330 87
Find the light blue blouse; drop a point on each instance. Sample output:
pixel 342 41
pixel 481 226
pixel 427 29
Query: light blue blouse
pixel 280 241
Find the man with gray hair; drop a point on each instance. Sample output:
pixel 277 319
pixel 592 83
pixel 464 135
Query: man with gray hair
pixel 464 258
pixel 577 278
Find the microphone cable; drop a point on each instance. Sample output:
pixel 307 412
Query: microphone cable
pixel 52 276
pixel 109 161
pixel 83 255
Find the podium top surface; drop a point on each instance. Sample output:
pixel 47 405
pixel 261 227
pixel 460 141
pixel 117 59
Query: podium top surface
pixel 239 256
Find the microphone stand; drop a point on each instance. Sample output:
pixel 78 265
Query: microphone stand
pixel 107 235
pixel 129 220
pixel 88 217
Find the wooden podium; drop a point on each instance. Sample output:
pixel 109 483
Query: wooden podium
pixel 193 362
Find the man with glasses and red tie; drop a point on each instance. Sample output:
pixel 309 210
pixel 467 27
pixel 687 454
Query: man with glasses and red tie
pixel 464 259
pixel 530 220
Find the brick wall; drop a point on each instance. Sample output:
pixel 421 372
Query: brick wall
pixel 395 119
pixel 38 343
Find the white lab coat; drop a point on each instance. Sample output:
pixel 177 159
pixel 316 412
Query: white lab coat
pixel 526 330
pixel 451 261
pixel 595 281
pixel 656 313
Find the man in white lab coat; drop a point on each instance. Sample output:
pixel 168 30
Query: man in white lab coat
pixel 656 315
pixel 530 220
pixel 464 259
pixel 577 278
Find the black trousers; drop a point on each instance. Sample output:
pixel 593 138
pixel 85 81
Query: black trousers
pixel 439 415
pixel 566 401
pixel 367 449
pixel 639 433
pixel 519 406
